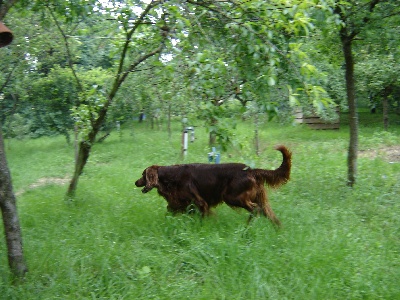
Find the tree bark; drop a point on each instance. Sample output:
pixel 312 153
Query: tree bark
pixel 347 40
pixel 9 212
pixel 85 147
pixel 80 162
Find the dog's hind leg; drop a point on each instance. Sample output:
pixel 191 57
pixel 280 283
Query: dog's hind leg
pixel 267 211
pixel 263 203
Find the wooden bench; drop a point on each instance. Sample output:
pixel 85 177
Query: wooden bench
pixel 315 122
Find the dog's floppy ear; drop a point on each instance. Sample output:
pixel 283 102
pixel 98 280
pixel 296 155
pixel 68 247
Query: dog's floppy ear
pixel 151 178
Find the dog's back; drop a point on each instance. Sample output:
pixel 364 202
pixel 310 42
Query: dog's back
pixel 212 180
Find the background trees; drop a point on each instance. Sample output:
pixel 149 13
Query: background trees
pixel 160 27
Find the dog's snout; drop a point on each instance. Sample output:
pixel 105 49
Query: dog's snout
pixel 140 182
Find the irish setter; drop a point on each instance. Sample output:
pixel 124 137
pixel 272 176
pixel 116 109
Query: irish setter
pixel 207 185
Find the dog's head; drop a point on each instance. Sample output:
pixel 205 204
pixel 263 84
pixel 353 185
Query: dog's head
pixel 149 179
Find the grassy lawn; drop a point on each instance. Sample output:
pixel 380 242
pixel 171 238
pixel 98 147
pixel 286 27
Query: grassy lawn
pixel 113 242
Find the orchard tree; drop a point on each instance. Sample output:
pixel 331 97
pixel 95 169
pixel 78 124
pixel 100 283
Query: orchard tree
pixel 379 65
pixel 150 30
pixel 379 81
pixel 355 18
pixel 8 205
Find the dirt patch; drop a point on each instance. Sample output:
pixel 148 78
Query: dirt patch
pixel 390 154
pixel 43 182
pixel 47 181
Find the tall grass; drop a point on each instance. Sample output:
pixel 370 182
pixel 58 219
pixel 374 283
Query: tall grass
pixel 113 242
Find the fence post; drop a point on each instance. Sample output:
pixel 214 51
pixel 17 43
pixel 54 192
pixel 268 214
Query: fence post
pixel 184 141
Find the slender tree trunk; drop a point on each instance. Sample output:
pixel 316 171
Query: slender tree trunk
pixel 85 147
pixel 212 137
pixel 76 143
pixel 9 212
pixel 80 162
pixel 256 137
pixel 385 105
pixel 169 119
pixel 352 103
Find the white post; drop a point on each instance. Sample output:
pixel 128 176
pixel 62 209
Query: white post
pixel 185 141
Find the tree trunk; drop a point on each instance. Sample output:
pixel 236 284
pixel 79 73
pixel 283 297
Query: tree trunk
pixel 256 137
pixel 385 106
pixel 81 160
pixel 76 143
pixel 86 146
pixel 9 212
pixel 169 119
pixel 152 122
pixel 212 137
pixel 352 103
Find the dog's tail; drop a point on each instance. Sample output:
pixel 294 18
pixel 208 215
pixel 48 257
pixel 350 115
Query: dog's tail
pixel 277 177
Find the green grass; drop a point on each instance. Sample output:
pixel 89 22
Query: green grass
pixel 113 242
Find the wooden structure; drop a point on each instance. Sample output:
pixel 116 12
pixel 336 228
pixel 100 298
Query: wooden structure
pixel 315 122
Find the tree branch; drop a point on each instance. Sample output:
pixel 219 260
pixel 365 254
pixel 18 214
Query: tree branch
pixel 4 7
pixel 129 35
pixel 132 67
pixel 8 78
pixel 67 47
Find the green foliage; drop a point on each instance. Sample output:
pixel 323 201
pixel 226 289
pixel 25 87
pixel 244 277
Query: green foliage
pixel 91 100
pixel 218 123
pixel 113 242
pixel 45 110
pixel 378 138
pixel 17 127
pixel 379 77
pixel 52 97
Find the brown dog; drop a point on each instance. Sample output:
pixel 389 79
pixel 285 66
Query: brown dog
pixel 207 185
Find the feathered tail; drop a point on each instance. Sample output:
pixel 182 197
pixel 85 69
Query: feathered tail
pixel 277 177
